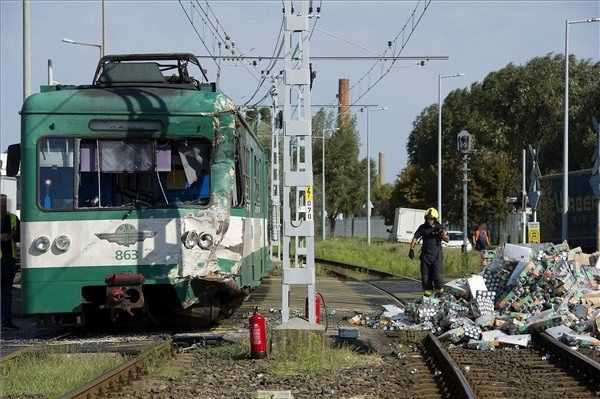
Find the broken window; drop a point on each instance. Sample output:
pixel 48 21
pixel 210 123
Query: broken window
pixel 123 173
pixel 237 199
pixel 147 173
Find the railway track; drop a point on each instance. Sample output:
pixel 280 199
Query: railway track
pixel 549 369
pixel 125 373
pixel 398 288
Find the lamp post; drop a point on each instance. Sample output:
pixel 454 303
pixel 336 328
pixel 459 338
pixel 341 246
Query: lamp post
pixel 98 46
pixel 465 147
pixel 369 172
pixel 439 155
pixel 565 210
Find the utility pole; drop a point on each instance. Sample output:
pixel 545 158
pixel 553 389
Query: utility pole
pixel 524 199
pixel 534 194
pixel 367 109
pixel 298 223
pixel 380 170
pixel 323 185
pixel 465 204
pixel 368 183
pixel 465 146
pixel 276 131
pixel 26 49
pixel 103 48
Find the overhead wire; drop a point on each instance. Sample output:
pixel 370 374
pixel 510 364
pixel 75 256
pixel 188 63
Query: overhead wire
pixel 225 38
pixel 402 46
pixel 389 48
pixel 272 63
pixel 355 44
pixel 317 17
pixel 275 58
pixel 199 35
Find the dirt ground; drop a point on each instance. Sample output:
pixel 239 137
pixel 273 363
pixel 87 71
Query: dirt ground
pixel 205 375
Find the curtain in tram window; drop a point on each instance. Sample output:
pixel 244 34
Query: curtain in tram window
pixel 118 156
pixel 194 159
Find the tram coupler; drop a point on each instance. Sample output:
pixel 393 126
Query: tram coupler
pixel 124 292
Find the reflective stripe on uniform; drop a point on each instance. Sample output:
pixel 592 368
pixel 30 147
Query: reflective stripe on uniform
pixel 13 225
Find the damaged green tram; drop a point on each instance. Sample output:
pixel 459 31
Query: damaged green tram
pixel 143 193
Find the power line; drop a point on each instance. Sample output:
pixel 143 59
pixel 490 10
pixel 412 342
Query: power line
pixel 199 35
pixel 317 16
pixel 275 58
pixel 392 42
pixel 360 46
pixel 402 46
pixel 338 58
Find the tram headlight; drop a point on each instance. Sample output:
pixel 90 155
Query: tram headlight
pixel 41 243
pixel 62 243
pixel 189 239
pixel 205 241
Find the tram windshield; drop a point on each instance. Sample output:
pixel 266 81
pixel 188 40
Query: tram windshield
pixel 123 173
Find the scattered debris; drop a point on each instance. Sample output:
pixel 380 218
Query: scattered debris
pixel 520 290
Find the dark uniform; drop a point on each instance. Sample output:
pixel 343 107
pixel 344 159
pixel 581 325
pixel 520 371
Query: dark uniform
pixel 431 255
pixel 9 224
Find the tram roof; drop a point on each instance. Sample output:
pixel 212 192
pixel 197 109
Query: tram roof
pixel 126 100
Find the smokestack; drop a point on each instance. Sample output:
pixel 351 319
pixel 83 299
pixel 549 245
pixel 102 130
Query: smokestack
pixel 344 102
pixel 380 176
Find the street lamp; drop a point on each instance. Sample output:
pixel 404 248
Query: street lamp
pixel 439 155
pixel 464 143
pixel 99 46
pixel 369 171
pixel 565 210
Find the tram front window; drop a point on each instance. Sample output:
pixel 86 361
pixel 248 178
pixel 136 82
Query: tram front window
pixel 143 173
pixel 122 173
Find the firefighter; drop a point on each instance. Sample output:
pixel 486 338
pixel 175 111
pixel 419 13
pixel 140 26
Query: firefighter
pixel 432 234
pixel 9 236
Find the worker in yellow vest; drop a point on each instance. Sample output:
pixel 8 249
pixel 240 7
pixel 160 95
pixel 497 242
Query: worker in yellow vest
pixel 9 236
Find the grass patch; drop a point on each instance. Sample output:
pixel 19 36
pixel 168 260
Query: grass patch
pixel 392 257
pixel 166 370
pixel 319 360
pixel 53 374
pixel 235 351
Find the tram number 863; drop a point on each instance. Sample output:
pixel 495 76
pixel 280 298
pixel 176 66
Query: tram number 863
pixel 128 254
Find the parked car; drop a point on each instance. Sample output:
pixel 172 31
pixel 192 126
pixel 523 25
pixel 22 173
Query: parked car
pixel 455 240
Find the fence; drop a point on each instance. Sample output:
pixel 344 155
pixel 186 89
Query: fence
pixel 357 227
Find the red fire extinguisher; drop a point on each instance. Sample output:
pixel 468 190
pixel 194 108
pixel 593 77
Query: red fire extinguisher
pixel 258 335
pixel 318 298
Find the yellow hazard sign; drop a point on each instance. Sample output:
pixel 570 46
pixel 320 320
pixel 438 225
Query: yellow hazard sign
pixel 309 193
pixel 533 232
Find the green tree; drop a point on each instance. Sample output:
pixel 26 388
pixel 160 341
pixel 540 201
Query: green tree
pixel 510 109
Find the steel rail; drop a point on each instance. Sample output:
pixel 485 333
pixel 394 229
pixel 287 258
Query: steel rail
pixel 586 367
pixel 363 269
pixel 455 382
pixel 122 374
pixel 333 265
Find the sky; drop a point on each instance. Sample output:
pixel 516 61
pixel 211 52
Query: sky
pixel 478 36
